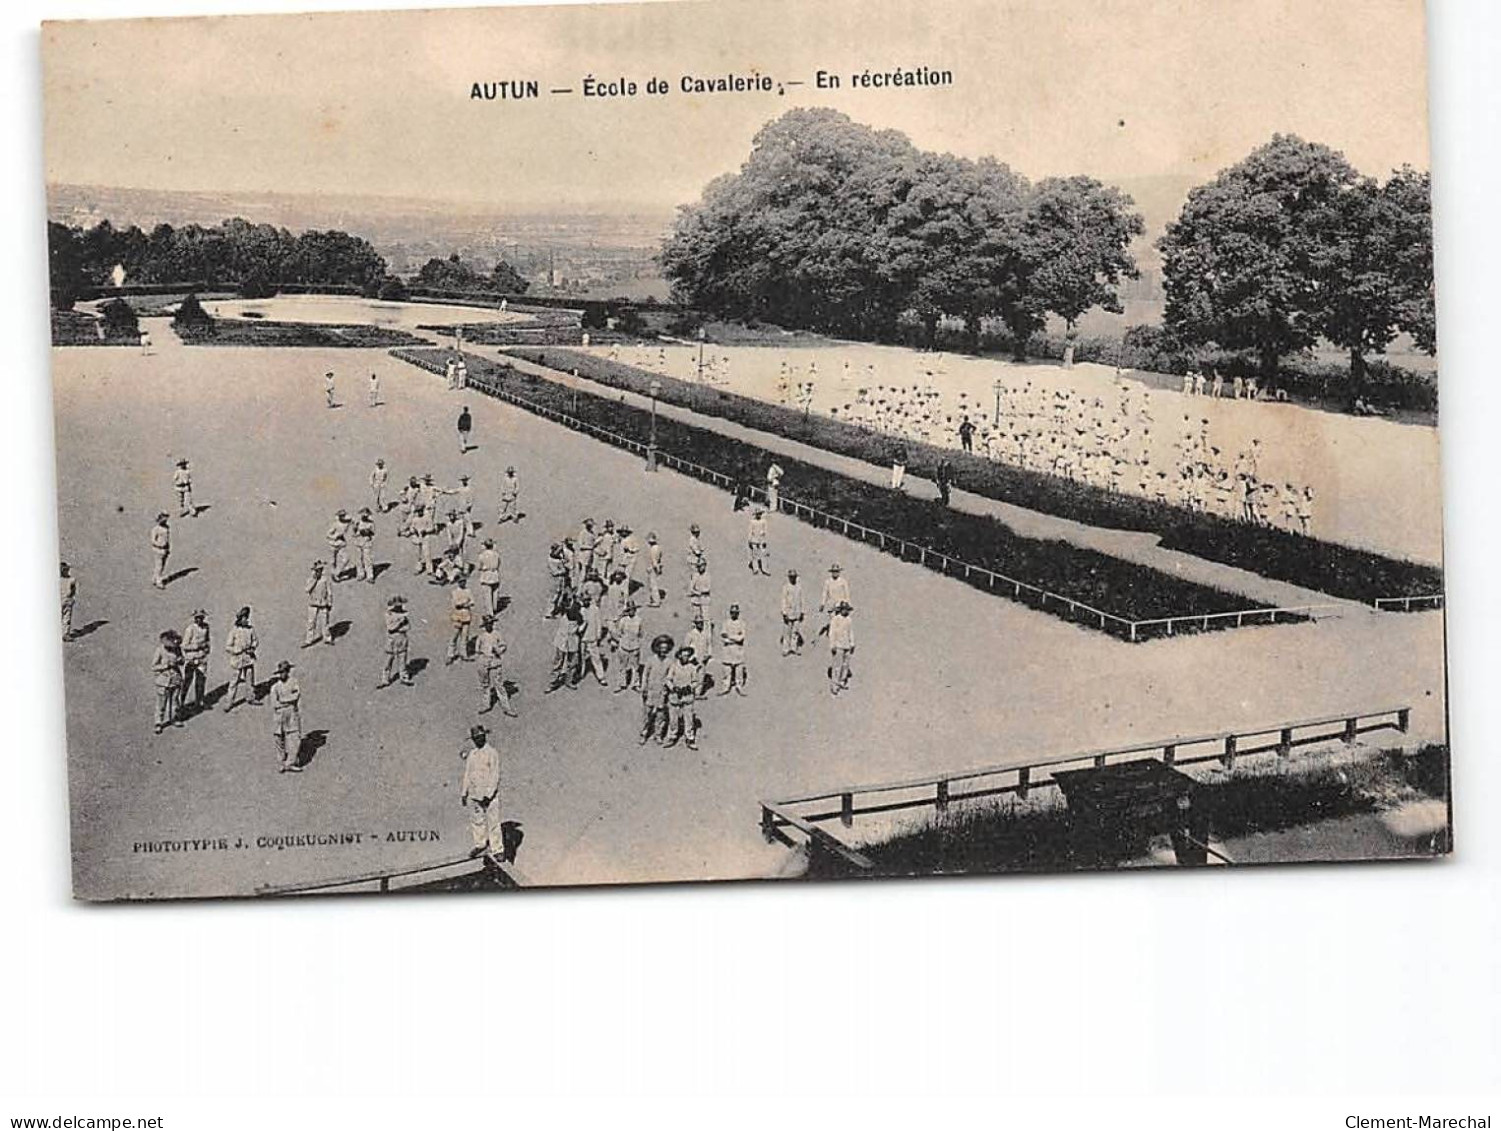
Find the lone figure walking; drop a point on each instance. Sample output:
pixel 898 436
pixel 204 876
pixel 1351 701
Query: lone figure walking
pixel 466 425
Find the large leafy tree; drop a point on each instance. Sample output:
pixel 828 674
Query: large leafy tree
pixel 798 235
pixel 1239 262
pixel 834 226
pixel 68 274
pixel 1076 241
pixel 334 258
pixel 948 243
pixel 1373 270
pixel 1409 193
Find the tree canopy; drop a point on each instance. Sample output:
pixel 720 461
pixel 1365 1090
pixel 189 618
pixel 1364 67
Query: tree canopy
pixel 1291 245
pixel 256 258
pixel 453 274
pixel 834 226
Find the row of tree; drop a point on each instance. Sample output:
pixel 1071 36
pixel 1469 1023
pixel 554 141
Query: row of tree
pixel 255 259
pixel 836 227
pixel 453 274
pixel 832 226
pixel 1293 245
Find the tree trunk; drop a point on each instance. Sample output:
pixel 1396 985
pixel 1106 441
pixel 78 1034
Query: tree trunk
pixel 1357 374
pixel 930 331
pixel 1269 359
pixel 1019 334
pixel 1069 337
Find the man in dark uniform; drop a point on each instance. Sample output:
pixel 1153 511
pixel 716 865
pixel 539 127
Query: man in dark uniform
pixel 944 477
pixel 466 425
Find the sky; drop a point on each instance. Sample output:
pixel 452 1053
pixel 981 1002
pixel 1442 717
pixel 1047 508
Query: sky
pixel 379 103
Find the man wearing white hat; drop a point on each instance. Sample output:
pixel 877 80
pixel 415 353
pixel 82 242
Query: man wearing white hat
pixel 195 650
pixel 364 542
pixel 836 588
pixel 241 646
pixel 378 479
pixel 338 544
pixel 320 606
pixel 182 484
pixel 488 649
pixel 161 550
pixel 286 718
pixel 510 497
pixel 397 624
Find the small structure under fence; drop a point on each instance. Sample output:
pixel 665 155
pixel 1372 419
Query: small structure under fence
pixel 800 820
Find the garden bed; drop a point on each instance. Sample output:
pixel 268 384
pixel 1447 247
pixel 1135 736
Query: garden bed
pixel 75 328
pixel 1327 567
pixel 1091 589
pixel 260 332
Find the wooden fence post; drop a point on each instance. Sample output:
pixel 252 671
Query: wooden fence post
pixel 1351 733
pixel 1169 754
pixel 1285 742
pixel 1023 781
pixel 941 801
pixel 1404 718
pixel 1229 756
pixel 846 809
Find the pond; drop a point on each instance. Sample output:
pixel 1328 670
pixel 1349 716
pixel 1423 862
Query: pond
pixel 352 309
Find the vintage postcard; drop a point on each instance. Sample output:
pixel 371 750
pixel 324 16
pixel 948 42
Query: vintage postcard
pixel 531 447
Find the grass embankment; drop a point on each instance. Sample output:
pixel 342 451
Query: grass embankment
pixel 1257 797
pixel 1118 588
pixel 260 332
pixel 542 328
pixel 1327 567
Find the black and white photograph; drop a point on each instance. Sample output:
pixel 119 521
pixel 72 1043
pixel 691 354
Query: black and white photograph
pixel 618 472
pixel 766 455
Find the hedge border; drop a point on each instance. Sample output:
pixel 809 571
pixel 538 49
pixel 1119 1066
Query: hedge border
pixel 1325 567
pixel 1219 609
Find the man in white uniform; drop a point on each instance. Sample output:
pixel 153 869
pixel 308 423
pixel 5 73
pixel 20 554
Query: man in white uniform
pixel 479 792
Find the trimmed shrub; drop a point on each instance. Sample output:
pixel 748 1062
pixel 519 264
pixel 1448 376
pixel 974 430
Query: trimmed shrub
pixel 75 328
pixel 120 321
pixel 192 323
